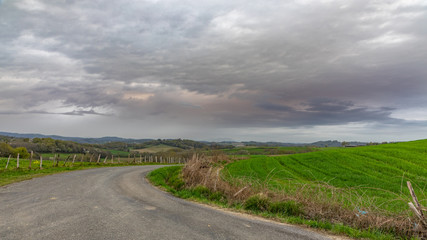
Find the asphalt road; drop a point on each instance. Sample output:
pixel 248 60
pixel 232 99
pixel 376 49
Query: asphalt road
pixel 118 203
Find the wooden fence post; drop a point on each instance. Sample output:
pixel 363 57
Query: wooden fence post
pixel 66 160
pixel 31 160
pixel 17 161
pixel 416 207
pixel 57 158
pixel 41 161
pixel 105 159
pixel 99 157
pixel 7 164
pixel 74 158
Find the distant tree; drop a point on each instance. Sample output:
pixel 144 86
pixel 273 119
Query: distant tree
pixel 344 144
pixel 23 153
pixel 5 149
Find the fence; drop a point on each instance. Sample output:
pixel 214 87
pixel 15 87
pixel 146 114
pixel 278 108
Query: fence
pixel 56 161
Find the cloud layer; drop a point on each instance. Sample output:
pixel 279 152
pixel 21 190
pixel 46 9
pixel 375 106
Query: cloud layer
pixel 264 70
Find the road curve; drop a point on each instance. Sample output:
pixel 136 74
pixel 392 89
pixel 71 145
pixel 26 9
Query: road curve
pixel 118 203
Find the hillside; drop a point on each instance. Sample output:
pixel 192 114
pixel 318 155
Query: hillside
pixel 101 140
pixel 379 172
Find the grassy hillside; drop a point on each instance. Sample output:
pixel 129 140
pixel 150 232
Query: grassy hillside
pixel 269 150
pixel 378 173
pixel 156 149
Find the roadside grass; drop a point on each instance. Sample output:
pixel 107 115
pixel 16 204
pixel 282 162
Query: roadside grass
pixel 363 188
pixel 171 180
pixel 13 174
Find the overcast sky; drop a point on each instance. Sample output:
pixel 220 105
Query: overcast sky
pixel 265 70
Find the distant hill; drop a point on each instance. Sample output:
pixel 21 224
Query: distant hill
pixel 101 140
pixel 181 143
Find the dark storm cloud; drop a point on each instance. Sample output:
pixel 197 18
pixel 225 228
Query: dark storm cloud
pixel 213 64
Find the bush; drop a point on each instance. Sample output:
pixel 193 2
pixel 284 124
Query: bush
pixel 257 203
pixel 289 208
pixel 23 153
pixel 5 149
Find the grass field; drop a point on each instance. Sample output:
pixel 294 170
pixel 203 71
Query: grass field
pixel 156 149
pixel 269 150
pixel 377 173
pixel 118 153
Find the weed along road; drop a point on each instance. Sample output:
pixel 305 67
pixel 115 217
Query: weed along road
pixel 118 203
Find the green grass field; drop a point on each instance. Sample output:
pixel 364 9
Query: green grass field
pixel 269 150
pixel 377 173
pixel 118 153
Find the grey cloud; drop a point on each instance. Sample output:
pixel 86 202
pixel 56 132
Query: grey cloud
pixel 275 107
pixel 72 113
pixel 216 63
pixel 82 113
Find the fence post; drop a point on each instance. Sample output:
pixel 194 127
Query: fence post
pixel 416 206
pixel 17 161
pixel 41 161
pixel 7 164
pixel 57 158
pixel 66 160
pixel 31 160
pixel 99 157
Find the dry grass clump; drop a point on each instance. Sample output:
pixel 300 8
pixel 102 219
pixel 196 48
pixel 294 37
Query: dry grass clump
pixel 316 201
pixel 206 171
